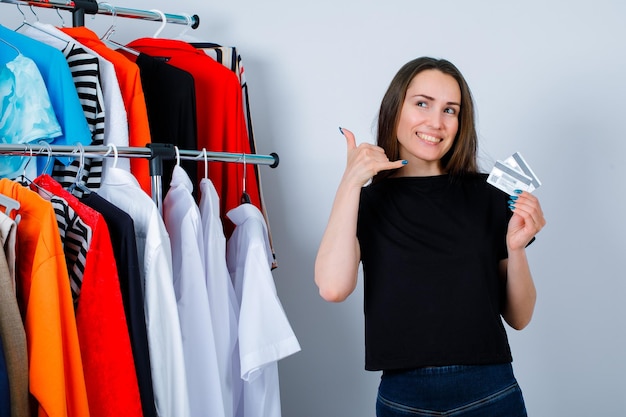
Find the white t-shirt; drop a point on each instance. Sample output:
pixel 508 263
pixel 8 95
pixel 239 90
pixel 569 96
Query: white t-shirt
pixel 265 335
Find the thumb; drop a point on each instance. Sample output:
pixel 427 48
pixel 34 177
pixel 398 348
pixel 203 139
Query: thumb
pixel 350 139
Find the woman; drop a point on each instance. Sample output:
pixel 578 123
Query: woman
pixel 443 253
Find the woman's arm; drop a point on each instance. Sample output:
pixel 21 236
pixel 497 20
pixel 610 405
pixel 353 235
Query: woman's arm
pixel 521 295
pixel 338 256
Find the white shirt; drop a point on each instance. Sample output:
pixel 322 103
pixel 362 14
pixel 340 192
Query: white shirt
pixel 265 335
pixel 182 220
pixel 155 259
pixel 116 120
pixel 222 299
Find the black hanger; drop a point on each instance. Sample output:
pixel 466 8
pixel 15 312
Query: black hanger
pixel 245 197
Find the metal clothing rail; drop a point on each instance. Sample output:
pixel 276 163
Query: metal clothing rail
pixel 168 151
pixel 155 152
pixel 80 7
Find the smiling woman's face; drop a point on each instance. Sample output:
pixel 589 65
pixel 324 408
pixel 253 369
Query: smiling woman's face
pixel 429 122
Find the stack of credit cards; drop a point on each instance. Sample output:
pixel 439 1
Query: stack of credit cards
pixel 513 174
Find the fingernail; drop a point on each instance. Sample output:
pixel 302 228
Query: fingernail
pixel 513 197
pixel 511 207
pixel 518 191
pixel 341 130
pixel 404 162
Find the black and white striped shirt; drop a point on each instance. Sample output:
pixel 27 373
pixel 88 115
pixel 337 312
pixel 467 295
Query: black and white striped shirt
pixel 84 68
pixel 76 238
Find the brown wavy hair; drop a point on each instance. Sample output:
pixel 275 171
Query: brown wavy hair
pixel 461 159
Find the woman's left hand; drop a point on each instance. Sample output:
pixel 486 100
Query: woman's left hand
pixel 526 222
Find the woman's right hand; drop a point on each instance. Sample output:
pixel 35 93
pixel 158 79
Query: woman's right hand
pixel 339 254
pixel 365 161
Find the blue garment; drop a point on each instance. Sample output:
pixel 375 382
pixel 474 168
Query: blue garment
pixel 453 391
pixel 60 85
pixel 5 394
pixel 26 113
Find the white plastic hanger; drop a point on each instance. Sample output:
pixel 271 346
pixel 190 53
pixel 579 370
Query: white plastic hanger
pixel 113 147
pixel 9 205
pixel 163 22
pixel 177 155
pixel 206 163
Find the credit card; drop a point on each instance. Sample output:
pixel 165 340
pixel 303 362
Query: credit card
pixel 507 179
pixel 518 163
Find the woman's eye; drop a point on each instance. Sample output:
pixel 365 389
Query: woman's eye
pixel 421 104
pixel 450 110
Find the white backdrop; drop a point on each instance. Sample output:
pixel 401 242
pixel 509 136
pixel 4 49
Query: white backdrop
pixel 549 81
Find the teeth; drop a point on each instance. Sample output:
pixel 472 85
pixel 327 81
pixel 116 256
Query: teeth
pixel 428 138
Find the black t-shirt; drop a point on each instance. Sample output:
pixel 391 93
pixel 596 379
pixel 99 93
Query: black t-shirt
pixel 430 248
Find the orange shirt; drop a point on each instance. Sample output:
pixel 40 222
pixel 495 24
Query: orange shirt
pixel 55 368
pixel 128 76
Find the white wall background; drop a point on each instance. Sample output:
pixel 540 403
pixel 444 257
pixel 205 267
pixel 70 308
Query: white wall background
pixel 549 81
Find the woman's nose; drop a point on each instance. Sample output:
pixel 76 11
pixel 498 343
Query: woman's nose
pixel 435 119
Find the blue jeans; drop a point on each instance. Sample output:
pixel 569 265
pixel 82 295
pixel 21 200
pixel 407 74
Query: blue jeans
pixel 452 391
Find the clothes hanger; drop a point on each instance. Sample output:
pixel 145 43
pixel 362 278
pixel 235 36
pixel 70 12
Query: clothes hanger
pixel 106 38
pixel 24 21
pixel 113 147
pixel 187 26
pixel 17 51
pixel 177 152
pixel 78 182
pixel 38 25
pixel 163 22
pixel 181 36
pixel 245 197
pixel 48 148
pixel 34 14
pixel 9 205
pixel 60 17
pixel 111 28
pixel 27 182
pixel 206 163
pixel 22 179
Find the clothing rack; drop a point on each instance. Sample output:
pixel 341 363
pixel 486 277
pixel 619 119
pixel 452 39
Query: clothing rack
pixel 156 153
pixel 80 7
